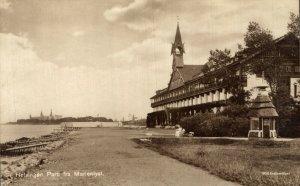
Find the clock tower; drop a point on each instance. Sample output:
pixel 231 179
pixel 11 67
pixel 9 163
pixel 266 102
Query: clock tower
pixel 177 50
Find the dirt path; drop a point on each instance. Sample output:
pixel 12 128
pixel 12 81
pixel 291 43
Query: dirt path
pixel 121 161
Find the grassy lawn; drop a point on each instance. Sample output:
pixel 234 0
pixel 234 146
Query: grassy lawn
pixel 247 162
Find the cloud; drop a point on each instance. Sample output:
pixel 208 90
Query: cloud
pixel 78 33
pixel 4 4
pixel 220 24
pixel 60 57
pixel 135 71
pixel 144 54
pixel 138 15
pixel 30 84
pixel 151 56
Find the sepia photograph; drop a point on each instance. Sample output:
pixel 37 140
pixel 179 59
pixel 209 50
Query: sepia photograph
pixel 149 93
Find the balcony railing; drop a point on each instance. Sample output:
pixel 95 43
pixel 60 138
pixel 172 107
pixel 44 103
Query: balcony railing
pixel 194 106
pixel 188 94
pixel 194 92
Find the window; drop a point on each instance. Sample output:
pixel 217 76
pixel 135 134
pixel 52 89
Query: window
pixel 288 69
pixel 254 124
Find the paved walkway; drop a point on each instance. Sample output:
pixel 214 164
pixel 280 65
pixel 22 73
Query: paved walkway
pixel 121 161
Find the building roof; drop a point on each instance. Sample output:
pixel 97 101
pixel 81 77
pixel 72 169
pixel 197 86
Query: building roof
pixel 192 72
pixel 161 91
pixel 262 99
pixel 178 40
pixel 178 60
pixel 188 71
pixel 262 107
pixel 263 113
pixel 249 53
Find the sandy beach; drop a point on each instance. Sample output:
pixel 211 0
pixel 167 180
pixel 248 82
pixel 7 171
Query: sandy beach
pixel 108 156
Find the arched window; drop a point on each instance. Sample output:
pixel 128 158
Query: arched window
pixel 177 51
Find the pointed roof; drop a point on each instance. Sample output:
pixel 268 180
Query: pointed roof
pixel 178 40
pixel 262 107
pixel 249 53
pixel 188 71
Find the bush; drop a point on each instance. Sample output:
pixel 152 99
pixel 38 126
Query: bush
pixel 204 129
pixel 289 129
pixel 223 126
pixel 189 123
pixel 241 127
pixel 209 124
pixel 234 111
pixel 289 125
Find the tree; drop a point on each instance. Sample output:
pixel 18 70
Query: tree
pixel 219 72
pixel 269 64
pixel 257 37
pixel 293 26
pixel 216 67
pixel 219 60
pixel 260 39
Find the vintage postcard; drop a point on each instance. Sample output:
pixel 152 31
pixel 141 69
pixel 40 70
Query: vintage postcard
pixel 149 92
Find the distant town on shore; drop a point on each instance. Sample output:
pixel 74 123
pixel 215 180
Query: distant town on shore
pixel 57 119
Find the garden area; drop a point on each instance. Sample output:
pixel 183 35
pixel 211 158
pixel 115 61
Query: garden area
pixel 233 121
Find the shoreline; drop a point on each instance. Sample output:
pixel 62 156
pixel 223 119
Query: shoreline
pixel 10 133
pixel 108 156
pixel 31 124
pixel 14 165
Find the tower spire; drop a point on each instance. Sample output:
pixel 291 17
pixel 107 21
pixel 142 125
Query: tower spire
pixel 178 40
pixel 177 49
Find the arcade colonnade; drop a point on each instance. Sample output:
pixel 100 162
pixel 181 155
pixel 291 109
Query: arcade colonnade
pixel 169 112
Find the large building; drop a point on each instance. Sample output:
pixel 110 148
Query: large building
pixel 187 94
pixel 43 117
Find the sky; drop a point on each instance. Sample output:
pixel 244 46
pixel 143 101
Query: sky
pixel 107 58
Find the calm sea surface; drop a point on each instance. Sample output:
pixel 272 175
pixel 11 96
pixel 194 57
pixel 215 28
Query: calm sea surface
pixel 13 132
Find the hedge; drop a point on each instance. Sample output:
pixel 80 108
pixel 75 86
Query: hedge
pixel 231 122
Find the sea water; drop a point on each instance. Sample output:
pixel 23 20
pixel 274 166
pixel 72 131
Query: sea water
pixel 10 132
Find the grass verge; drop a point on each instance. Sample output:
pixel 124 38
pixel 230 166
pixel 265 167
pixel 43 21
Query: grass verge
pixel 247 162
